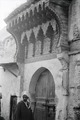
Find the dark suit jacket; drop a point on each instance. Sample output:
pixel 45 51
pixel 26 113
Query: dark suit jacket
pixel 23 113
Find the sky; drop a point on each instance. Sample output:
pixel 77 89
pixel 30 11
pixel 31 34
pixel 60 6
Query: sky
pixel 6 7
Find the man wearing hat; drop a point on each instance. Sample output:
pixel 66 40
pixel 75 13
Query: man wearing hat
pixel 23 111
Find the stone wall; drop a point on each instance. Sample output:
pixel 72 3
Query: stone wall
pixel 41 32
pixel 10 85
pixel 56 69
pixel 74 85
pixel 74 65
pixel 7 47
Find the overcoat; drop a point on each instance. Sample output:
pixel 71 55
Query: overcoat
pixel 23 112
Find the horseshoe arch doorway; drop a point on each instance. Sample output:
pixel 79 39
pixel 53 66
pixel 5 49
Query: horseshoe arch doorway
pixel 42 91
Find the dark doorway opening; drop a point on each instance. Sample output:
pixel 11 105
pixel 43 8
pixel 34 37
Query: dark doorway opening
pixel 13 104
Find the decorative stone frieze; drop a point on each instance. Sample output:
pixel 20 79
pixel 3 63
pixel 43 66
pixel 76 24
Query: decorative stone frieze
pixel 48 31
pixel 43 18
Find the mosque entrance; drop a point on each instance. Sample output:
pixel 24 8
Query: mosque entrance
pixel 45 97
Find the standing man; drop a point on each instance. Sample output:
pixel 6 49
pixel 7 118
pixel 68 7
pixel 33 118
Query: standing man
pixel 23 111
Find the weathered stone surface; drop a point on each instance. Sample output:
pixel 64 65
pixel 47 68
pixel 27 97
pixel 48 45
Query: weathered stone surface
pixel 74 20
pixel 46 47
pixel 74 83
pixel 8 84
pixel 38 48
pixel 30 50
pixel 46 31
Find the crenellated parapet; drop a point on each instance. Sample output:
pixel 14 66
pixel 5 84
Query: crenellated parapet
pixel 40 27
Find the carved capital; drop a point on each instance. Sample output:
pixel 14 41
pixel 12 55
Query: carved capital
pixel 64 59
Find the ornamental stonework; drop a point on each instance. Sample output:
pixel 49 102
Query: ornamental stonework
pixel 40 28
pixel 42 38
pixel 74 20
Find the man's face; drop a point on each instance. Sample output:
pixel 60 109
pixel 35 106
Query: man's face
pixel 25 97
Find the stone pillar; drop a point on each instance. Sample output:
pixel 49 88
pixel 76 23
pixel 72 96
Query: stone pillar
pixel 61 89
pixel 21 74
pixel 74 39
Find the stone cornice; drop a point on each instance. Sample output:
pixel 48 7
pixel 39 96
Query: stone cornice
pixel 32 18
pixel 26 7
pixel 21 11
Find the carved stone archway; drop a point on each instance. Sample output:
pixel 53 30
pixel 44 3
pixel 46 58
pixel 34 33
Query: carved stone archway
pixel 42 92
